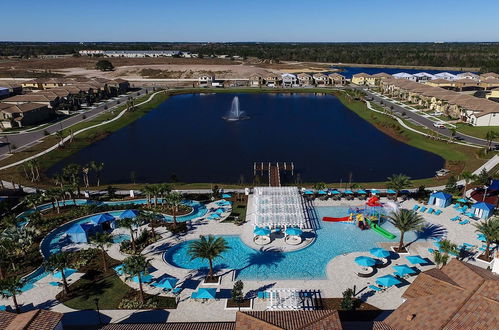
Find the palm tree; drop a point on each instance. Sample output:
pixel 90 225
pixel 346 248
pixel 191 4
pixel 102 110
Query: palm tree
pixel 467 177
pixel 490 230
pixel 11 287
pixel 208 248
pixel 130 224
pixel 148 191
pixel 440 258
pixel 85 170
pixel 60 135
pixel 164 190
pixel 151 219
pixel 399 182
pixel 59 262
pixel 490 136
pixel 101 241
pixel 136 265
pixel 97 167
pixel 174 200
pixel 72 173
pixel 405 220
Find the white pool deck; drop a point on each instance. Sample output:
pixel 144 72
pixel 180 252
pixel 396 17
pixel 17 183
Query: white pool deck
pixel 340 272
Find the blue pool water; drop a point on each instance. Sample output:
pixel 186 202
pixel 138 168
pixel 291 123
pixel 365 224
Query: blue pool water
pixel 333 239
pixel 120 238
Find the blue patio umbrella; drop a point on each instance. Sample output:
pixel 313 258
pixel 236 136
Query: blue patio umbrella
pixel 205 293
pixel 322 192
pixel 387 281
pixel 365 261
pixel 348 192
pixel 226 196
pixel 463 200
pixel 167 283
pixel 145 278
pixel 259 231
pixel 415 260
pixel 335 192
pixel 308 192
pixel 129 214
pixel 67 272
pixel 403 270
pixel 374 191
pixel 361 192
pixel 380 253
pixel 294 231
pixel 119 269
pixel 391 191
pixel 101 218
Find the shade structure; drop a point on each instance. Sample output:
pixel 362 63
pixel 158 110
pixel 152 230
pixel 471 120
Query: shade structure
pixel 365 261
pixel 387 281
pixel 294 231
pixel 415 260
pixel 404 270
pixel 67 272
pixel 259 231
pixel 167 283
pixel 205 293
pixel 308 192
pixel 101 218
pixel 348 192
pixel 214 216
pixel 361 192
pixel 322 192
pixel 129 214
pixel 391 191
pixel 226 196
pixel 335 192
pixel 463 200
pixel 374 191
pixel 380 253
pixel 220 211
pixel 278 207
pixel 145 278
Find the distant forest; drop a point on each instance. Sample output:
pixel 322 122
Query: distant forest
pixel 479 55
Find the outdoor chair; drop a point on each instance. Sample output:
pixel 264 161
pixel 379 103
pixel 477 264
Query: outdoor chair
pixel 415 208
pixel 376 288
pixel 438 212
pixel 456 218
pixel 431 210
pixel 457 205
pixel 423 209
pixel 464 222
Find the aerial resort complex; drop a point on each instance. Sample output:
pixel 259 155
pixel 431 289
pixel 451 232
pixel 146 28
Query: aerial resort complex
pixel 253 184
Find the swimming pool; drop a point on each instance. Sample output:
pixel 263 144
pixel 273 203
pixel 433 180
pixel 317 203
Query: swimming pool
pixel 333 239
pixel 120 238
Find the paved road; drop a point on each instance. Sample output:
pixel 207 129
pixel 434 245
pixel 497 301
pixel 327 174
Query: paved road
pixel 426 122
pixel 22 140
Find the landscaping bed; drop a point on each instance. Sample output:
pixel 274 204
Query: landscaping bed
pixel 362 311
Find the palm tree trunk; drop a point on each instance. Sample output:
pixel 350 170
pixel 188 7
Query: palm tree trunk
pixel 133 239
pixel 1 273
pixel 104 260
pixel 16 305
pixel 465 188
pixel 64 282
pixel 98 179
pixel 153 232
pixel 210 273
pixel 401 244
pixel 174 218
pixel 487 250
pixel 57 205
pixel 140 288
pixel 155 201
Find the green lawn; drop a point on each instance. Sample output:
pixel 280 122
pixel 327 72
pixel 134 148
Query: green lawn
pixel 477 131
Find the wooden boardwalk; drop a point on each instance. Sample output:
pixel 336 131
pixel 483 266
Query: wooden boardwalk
pixel 273 170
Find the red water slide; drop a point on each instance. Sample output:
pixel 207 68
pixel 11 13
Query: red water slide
pixel 331 219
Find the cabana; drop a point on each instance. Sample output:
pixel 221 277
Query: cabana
pixel 129 214
pixel 440 199
pixel 105 221
pixel 482 210
pixel 79 233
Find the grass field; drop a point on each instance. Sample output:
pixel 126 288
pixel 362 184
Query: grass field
pixel 477 131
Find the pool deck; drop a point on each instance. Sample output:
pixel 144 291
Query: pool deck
pixel 340 272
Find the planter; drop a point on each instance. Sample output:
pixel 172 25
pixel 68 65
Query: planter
pixel 395 249
pixel 246 304
pixel 215 281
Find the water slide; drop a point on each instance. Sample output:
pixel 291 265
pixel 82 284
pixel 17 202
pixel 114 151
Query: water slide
pixel 332 219
pixel 380 230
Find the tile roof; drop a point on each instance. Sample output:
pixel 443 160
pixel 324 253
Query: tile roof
pixel 37 319
pixel 289 320
pixel 172 326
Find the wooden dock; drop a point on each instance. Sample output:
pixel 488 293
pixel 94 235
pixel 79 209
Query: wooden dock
pixel 273 170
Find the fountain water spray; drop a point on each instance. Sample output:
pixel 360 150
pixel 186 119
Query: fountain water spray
pixel 235 113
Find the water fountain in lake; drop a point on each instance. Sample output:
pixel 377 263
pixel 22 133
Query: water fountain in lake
pixel 235 113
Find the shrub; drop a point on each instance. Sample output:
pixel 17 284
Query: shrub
pixel 347 301
pixel 136 304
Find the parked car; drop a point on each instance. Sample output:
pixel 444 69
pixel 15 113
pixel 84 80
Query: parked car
pixel 439 125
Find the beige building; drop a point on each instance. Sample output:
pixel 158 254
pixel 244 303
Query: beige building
pixel 305 79
pixel 13 116
pixel 320 79
pixel 337 79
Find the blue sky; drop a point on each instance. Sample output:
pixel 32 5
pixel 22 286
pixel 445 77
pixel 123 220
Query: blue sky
pixel 250 20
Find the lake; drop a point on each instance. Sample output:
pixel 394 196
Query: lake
pixel 186 138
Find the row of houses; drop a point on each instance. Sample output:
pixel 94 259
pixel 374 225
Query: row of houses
pixel 473 110
pixel 44 98
pixel 137 53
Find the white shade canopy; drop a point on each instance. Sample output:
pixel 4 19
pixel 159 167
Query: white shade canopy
pixel 284 299
pixel 279 207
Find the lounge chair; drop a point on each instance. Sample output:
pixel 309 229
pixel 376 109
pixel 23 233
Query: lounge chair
pixel 438 212
pixel 375 288
pixel 431 251
pixel 456 218
pixel 431 210
pixel 464 222
pixel 457 206
pixel 177 291
pixel 262 295
pixel 423 209
pixel 415 208
pixel 470 214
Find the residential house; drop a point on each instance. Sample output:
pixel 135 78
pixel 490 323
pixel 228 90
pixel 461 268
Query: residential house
pixel 493 96
pixel 51 101
pixel 381 76
pixel 272 79
pixel 423 76
pixel 44 83
pixel 289 80
pixel 205 80
pixel 457 296
pixel 489 83
pixel 489 75
pixel 141 53
pixel 304 79
pixel 444 83
pixel 10 88
pixel 361 78
pixel 21 115
pixel 320 79
pixel 465 84
pixel 37 319
pixel 404 75
pixel 468 75
pixel 337 79
pixel 255 80
pixel 445 75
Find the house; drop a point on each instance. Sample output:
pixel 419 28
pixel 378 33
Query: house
pixel 252 320
pixel 272 79
pixel 20 115
pixel 405 75
pixel 320 79
pixel 255 80
pixel 44 83
pixel 381 76
pixel 468 75
pixel 50 101
pixel 205 80
pixel 4 92
pixel 489 83
pixel 482 210
pixel 489 75
pixel 440 199
pixel 304 79
pixel 440 83
pixel 445 75
pixel 141 53
pixel 493 96
pixel 423 76
pixel 289 80
pixel 10 88
pixel 38 319
pixel 466 84
pixel 360 78
pixel 457 296
pixel 336 79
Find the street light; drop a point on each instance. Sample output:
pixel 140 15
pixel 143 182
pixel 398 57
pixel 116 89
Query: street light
pixel 8 143
pixel 96 301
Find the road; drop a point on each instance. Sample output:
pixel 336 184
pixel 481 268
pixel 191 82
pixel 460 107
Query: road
pixel 26 139
pixel 425 121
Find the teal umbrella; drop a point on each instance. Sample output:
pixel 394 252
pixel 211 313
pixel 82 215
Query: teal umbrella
pixel 387 281
pixel 335 192
pixel 380 253
pixel 361 192
pixel 374 191
pixel 403 270
pixel 348 192
pixel 322 192
pixel 294 231
pixel 308 192
pixel 463 200
pixel 167 283
pixel 205 293
pixel 259 231
pixel 415 260
pixel 144 278
pixel 391 191
pixel 365 261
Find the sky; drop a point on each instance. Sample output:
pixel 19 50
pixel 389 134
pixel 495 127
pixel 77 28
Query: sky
pixel 250 20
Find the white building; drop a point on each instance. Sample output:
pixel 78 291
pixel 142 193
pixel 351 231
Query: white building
pixel 468 75
pixel 141 53
pixel 404 75
pixel 423 76
pixel 89 52
pixel 445 75
pixel 289 79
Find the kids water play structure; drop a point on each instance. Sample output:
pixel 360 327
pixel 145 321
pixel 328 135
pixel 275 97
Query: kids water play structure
pixel 369 216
